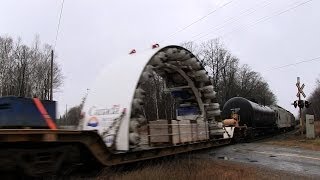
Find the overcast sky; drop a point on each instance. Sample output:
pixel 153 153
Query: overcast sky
pixel 92 33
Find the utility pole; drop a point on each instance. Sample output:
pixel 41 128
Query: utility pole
pixel 51 76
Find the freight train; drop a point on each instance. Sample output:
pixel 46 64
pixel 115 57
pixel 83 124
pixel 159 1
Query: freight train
pixel 114 128
pixel 252 119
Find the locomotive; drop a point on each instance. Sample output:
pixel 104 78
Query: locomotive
pixel 251 119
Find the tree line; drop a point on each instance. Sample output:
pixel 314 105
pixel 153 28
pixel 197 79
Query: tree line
pixel 73 115
pixel 229 77
pixel 25 70
pixel 314 99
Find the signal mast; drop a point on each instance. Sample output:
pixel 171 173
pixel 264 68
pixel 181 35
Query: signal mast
pixel 301 103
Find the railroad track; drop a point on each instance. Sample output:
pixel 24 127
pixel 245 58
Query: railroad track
pixel 43 152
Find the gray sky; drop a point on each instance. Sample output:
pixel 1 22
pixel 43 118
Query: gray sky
pixel 92 33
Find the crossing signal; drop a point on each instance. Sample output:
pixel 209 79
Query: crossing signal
pixel 307 104
pixel 300 103
pixel 295 104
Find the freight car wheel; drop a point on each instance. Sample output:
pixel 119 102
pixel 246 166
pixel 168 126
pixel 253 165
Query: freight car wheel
pixel 237 136
pixel 249 134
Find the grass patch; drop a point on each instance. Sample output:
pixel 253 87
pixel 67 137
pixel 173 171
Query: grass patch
pixel 194 168
pixel 292 140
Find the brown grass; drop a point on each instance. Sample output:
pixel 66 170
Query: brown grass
pixel 296 140
pixel 311 144
pixel 191 168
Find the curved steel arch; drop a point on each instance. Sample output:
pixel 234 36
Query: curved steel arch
pixel 109 104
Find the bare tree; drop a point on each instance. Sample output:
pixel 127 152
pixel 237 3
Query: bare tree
pixel 73 115
pixel 253 86
pixel 193 47
pixel 25 70
pixel 227 77
pixel 158 104
pixel 314 99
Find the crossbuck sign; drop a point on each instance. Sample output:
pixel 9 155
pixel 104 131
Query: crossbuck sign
pixel 300 88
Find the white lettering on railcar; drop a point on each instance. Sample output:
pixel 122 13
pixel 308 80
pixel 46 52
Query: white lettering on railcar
pixel 94 111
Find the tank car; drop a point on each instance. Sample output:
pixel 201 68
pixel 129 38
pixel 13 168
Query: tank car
pixel 251 114
pixel 252 119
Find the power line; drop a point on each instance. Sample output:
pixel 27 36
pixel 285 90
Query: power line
pixel 269 17
pixel 198 20
pixel 265 18
pixel 58 28
pixel 294 64
pixel 233 19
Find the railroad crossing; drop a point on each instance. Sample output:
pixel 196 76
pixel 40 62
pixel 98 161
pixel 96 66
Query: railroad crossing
pixel 301 103
pixel 300 88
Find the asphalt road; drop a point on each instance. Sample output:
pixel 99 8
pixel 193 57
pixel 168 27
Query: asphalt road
pixel 288 159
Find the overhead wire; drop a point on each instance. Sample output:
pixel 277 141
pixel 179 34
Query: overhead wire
pixel 57 31
pixel 58 27
pixel 265 18
pixel 251 10
pixel 196 21
pixel 294 64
